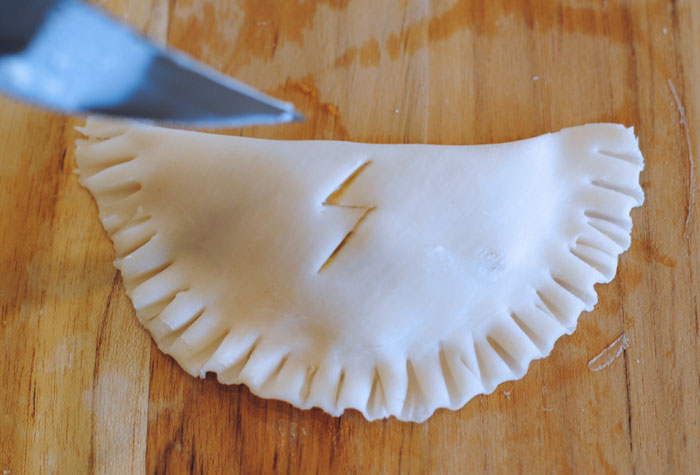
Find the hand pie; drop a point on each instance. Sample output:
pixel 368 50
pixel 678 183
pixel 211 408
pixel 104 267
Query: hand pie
pixel 391 279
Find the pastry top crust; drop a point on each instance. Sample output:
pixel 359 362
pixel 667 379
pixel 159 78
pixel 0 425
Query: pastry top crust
pixel 392 279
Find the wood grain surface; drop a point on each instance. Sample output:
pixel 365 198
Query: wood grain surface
pixel 85 391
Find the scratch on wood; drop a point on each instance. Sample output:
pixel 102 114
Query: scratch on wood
pixel 96 373
pixel 629 411
pixel 193 457
pixel 543 403
pixel 612 352
pixel 63 159
pixel 691 179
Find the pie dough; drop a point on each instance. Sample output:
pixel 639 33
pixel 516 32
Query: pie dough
pixel 391 279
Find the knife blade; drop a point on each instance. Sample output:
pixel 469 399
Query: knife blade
pixel 70 57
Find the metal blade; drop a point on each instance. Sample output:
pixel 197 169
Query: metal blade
pixel 81 61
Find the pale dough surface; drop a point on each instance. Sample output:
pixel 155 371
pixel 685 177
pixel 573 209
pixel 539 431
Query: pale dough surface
pixel 392 279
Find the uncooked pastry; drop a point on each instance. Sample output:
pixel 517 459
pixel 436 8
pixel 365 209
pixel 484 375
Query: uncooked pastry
pixel 391 279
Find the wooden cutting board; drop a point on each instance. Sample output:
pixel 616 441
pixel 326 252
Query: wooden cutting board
pixel 84 390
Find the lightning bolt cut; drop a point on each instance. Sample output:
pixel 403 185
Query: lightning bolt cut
pixel 333 200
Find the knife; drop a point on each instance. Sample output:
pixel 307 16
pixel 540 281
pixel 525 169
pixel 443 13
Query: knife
pixel 70 57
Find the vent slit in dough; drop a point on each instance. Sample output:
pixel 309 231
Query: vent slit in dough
pixel 305 391
pixel 148 274
pixel 128 240
pixel 273 375
pixel 135 224
pixel 452 389
pixel 238 357
pixel 530 334
pixel 120 192
pixel 171 333
pixel 513 366
pixel 482 372
pixel 200 360
pixel 176 317
pixel 609 228
pixel 467 357
pixel 125 250
pixel 339 388
pixel 546 306
pixel 588 300
pixel 152 310
pixel 634 159
pixel 391 279
pixel 374 403
pixel 414 393
pixel 334 200
pixel 624 224
pixel 629 192
pixel 595 258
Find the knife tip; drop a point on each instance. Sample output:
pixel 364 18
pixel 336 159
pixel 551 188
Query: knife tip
pixel 296 116
pixel 290 115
